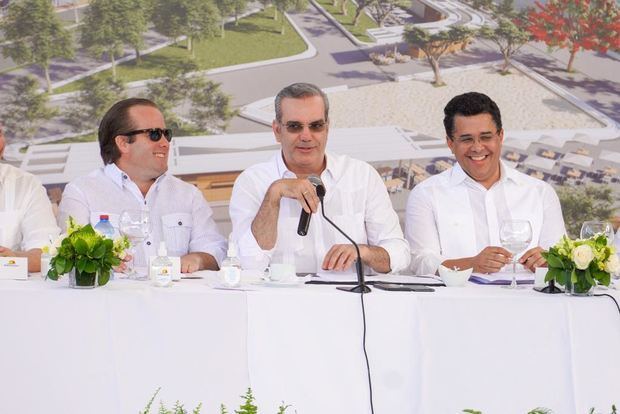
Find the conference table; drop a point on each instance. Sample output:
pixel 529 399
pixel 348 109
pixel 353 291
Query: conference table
pixel 107 350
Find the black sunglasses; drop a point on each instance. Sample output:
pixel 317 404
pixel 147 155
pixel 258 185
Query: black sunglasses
pixel 295 127
pixel 154 134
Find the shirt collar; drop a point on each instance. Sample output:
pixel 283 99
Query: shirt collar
pixel 458 175
pixel 332 167
pixel 120 178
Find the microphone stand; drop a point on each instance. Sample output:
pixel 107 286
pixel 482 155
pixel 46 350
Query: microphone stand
pixel 361 284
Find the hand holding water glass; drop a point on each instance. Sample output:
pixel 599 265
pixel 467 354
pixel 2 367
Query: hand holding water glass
pixel 136 226
pixel 515 236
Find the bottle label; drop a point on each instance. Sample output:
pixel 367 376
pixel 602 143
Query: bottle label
pixel 231 275
pixel 163 276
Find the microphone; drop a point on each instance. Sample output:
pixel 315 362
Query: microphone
pixel 361 286
pixel 304 218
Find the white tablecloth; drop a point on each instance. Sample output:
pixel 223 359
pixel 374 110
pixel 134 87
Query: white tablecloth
pixel 482 347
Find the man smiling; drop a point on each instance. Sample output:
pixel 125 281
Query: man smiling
pixel 134 145
pixel 454 218
pixel 267 198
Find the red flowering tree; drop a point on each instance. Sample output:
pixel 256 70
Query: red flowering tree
pixel 576 25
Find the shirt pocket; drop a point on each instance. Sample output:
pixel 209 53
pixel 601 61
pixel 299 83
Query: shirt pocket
pixel 353 225
pixel 177 229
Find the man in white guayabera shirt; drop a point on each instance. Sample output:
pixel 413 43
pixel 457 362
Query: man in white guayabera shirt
pixel 267 198
pixel 26 218
pixel 134 145
pixel 454 218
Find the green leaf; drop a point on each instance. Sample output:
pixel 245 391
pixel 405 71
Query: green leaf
pixel 90 266
pixel 555 261
pixel 60 263
pixel 98 251
pixel 81 247
pixel 104 277
pixel 81 264
pixel 554 274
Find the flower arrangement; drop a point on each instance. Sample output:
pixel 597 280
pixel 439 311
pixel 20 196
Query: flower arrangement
pixel 86 252
pixel 580 264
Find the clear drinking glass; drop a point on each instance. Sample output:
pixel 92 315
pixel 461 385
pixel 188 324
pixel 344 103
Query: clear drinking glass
pixel 515 236
pixel 136 225
pixel 593 227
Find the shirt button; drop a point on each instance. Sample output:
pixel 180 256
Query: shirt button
pixel 148 243
pixel 180 223
pixel 124 177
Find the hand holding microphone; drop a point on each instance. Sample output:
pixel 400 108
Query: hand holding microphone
pixel 317 191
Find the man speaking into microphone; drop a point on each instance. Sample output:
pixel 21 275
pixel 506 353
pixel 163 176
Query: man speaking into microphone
pixel 268 198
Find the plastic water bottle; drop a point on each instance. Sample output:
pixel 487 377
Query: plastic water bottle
pixel 105 227
pixel 230 270
pixel 161 267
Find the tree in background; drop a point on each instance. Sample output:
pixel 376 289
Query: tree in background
pixel 576 25
pixel 506 9
pixel 435 45
pixel 509 36
pixel 585 203
pixel 109 25
pixel 226 8
pixel 209 108
pixel 382 9
pixel 33 33
pixel 93 100
pixel 287 5
pixel 196 19
pixel 239 8
pixel 361 6
pixel 26 109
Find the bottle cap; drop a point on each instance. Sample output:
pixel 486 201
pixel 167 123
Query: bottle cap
pixel 162 251
pixel 104 217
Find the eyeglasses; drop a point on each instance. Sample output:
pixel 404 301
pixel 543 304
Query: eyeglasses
pixel 154 134
pixel 468 140
pixel 295 127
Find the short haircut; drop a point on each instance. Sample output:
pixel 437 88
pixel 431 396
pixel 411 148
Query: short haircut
pixel 470 104
pixel 115 122
pixel 298 91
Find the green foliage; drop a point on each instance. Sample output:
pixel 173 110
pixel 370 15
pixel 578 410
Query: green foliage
pixel 583 203
pixel 581 263
pixel 247 406
pixel 346 19
pixel 508 36
pixel 255 38
pixel 210 107
pixel 34 33
pixel 26 109
pixel 196 19
pixel 382 9
pixel 88 252
pixel 91 103
pixel 435 45
pixel 284 6
pixel 109 25
pixel 539 411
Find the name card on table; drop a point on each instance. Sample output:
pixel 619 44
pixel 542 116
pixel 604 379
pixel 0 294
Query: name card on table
pixel 13 268
pixel 176 266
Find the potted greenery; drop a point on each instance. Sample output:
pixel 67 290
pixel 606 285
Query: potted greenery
pixel 86 255
pixel 580 264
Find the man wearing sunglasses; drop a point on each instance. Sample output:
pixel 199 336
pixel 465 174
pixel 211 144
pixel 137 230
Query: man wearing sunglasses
pixel 267 198
pixel 454 218
pixel 26 217
pixel 134 144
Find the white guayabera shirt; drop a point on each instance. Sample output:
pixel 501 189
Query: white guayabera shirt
pixel 451 216
pixel 179 214
pixel 26 217
pixel 356 200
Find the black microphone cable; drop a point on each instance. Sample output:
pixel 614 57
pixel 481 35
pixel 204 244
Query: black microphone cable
pixel 362 291
pixel 609 296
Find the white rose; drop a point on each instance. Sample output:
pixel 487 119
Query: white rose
pixel 582 256
pixel 613 264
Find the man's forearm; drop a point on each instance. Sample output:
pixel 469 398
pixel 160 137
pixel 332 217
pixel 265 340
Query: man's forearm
pixel 376 257
pixel 265 224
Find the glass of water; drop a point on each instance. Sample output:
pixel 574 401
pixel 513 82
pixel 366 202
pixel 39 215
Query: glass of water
pixel 593 227
pixel 136 225
pixel 515 236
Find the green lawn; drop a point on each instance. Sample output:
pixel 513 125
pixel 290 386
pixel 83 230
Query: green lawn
pixel 255 38
pixel 358 31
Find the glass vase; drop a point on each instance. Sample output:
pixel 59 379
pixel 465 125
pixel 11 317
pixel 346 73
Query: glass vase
pixel 83 280
pixel 580 288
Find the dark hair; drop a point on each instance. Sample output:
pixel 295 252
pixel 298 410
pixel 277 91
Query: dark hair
pixel 469 104
pixel 115 122
pixel 297 91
